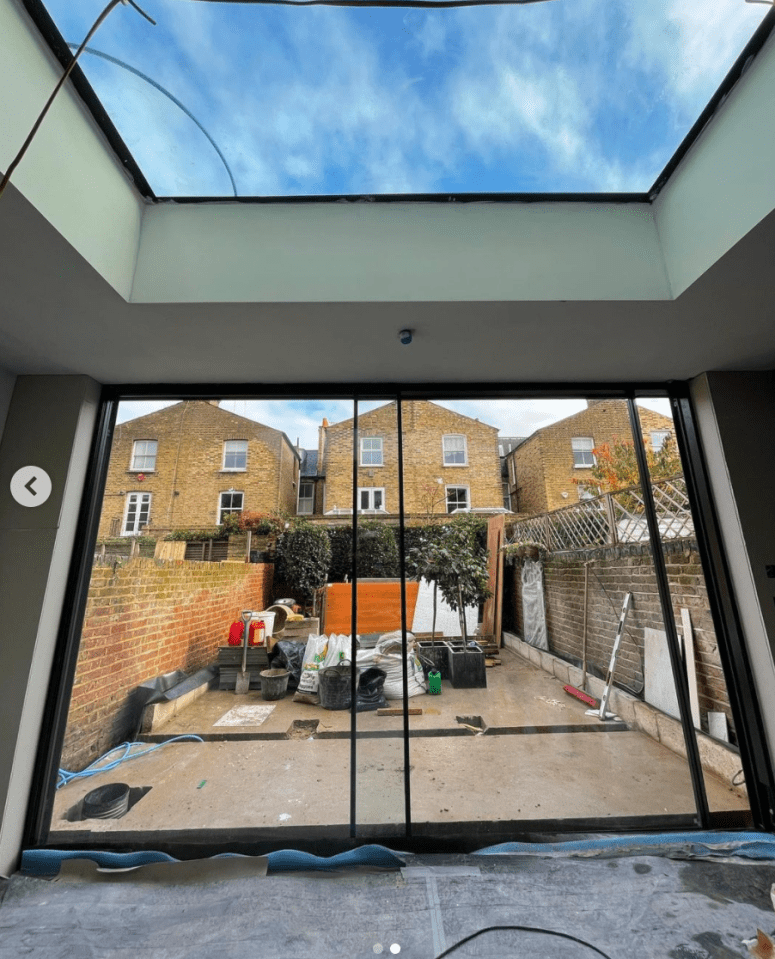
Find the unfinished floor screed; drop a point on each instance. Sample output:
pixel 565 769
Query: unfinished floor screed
pixel 540 757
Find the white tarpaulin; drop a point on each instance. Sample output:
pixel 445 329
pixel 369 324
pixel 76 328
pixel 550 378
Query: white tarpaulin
pixel 447 619
pixel 533 614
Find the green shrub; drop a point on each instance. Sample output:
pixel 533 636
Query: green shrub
pixel 303 558
pixel 196 535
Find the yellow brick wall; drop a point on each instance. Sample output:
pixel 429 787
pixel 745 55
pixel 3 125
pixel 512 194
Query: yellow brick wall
pixel 424 425
pixel 189 459
pixel 544 462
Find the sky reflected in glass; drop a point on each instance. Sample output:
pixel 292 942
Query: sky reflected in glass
pixel 560 96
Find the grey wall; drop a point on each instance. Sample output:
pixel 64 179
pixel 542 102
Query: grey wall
pixel 50 424
pixel 7 381
pixel 735 414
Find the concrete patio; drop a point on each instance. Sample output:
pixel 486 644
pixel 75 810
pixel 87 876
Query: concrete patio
pixel 540 758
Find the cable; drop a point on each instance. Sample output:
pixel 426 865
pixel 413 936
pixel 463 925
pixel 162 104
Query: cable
pixel 66 777
pixel 95 26
pixel 542 932
pixel 160 88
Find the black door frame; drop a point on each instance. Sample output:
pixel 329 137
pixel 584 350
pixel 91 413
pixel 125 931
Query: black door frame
pixel 736 661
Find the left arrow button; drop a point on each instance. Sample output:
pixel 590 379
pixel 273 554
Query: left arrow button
pixel 23 481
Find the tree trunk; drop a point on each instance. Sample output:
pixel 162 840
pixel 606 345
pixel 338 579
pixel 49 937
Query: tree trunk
pixel 433 626
pixel 461 613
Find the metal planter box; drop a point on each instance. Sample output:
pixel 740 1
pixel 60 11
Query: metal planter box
pixel 437 653
pixel 467 668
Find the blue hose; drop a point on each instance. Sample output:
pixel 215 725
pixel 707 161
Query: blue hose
pixel 66 777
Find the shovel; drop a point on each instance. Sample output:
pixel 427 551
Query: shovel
pixel 242 684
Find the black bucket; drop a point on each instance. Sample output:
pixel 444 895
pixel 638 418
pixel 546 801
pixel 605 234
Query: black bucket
pixel 106 802
pixel 335 686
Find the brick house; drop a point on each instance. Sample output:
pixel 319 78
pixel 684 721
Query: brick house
pixel 542 469
pixel 187 466
pixel 451 462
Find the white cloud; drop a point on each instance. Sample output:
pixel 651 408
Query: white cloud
pixel 691 46
pixel 582 94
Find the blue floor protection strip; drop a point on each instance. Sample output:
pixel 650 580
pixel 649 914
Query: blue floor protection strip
pixel 744 845
pixel 46 862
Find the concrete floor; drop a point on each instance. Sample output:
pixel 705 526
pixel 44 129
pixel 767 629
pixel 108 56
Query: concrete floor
pixel 641 906
pixel 541 758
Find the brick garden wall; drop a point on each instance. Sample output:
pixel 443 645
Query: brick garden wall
pixel 142 620
pixel 613 572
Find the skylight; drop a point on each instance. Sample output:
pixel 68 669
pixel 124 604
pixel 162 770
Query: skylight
pixel 564 96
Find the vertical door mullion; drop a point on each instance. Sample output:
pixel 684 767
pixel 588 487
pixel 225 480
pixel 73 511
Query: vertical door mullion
pixel 736 665
pixel 353 625
pixel 404 640
pixel 663 586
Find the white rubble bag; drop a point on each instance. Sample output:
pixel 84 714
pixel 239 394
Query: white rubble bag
pixel 321 652
pixel 387 656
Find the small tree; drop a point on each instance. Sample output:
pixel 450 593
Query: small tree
pixel 616 466
pixel 456 562
pixel 303 557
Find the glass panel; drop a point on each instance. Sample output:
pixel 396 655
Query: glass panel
pixel 544 97
pixel 380 805
pixel 708 692
pixel 165 608
pixel 503 743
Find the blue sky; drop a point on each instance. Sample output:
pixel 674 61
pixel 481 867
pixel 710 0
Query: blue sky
pixel 301 419
pixel 565 95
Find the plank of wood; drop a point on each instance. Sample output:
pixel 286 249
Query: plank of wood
pixel 691 669
pixel 389 711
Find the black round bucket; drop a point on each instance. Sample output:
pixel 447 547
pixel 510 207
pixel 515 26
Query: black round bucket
pixel 334 686
pixel 274 683
pixel 106 802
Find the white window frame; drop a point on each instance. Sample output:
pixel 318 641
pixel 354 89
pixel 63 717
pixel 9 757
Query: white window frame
pixel 134 468
pixel 138 524
pixel 454 452
pixel 371 490
pixel 457 486
pixel 306 499
pixel 582 450
pixel 228 452
pixel 664 434
pixel 372 451
pixel 224 511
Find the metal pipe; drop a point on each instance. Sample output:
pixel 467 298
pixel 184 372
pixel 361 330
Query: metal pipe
pixel 584 637
pixel 673 645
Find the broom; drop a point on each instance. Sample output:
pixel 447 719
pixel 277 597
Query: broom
pixel 571 690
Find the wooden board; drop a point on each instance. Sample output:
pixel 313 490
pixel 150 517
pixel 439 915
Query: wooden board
pixel 491 617
pixel 379 606
pixel 691 669
pixel 413 711
pixel 170 550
